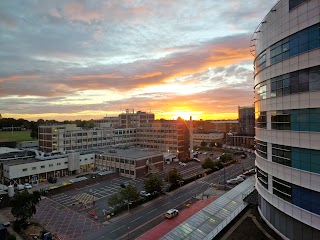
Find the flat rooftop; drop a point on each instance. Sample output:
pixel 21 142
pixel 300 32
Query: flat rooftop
pixel 129 153
pixel 4 150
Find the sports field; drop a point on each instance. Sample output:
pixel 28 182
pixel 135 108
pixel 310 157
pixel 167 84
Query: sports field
pixel 18 136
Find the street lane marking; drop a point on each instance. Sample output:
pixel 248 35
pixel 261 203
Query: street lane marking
pixel 136 219
pixel 166 204
pixel 117 229
pixel 151 211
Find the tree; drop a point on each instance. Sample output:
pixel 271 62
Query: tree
pixel 24 205
pixel 208 163
pixel 153 184
pixel 174 176
pixel 129 193
pixel 115 200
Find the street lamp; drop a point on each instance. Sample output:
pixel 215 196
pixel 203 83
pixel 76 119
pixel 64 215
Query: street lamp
pixel 180 182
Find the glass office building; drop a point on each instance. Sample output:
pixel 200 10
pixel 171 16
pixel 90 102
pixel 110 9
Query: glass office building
pixel 286 47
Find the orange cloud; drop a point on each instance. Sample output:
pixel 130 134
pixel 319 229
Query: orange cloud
pixel 148 75
pixel 19 77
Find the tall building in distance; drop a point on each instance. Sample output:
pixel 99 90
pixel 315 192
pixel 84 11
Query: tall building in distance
pixel 246 120
pixel 287 106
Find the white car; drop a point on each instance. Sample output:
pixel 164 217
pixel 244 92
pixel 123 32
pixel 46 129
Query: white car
pixel 145 194
pixel 27 186
pixel 235 180
pixel 182 164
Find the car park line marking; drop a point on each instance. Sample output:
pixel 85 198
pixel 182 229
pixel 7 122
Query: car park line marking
pixel 152 211
pixel 117 229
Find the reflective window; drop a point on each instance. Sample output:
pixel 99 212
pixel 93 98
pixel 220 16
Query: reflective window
pixel 260 62
pixel 282 189
pixel 261 119
pixel 295 3
pixel 281 154
pixel 280 120
pixel 261 91
pixel 297 43
pixel 262 177
pixel 261 149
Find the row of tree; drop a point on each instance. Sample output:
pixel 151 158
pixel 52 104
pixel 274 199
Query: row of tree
pixel 33 126
pixel 129 194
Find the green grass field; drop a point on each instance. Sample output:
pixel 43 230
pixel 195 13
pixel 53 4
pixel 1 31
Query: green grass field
pixel 18 136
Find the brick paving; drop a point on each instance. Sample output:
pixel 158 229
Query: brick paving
pixel 66 223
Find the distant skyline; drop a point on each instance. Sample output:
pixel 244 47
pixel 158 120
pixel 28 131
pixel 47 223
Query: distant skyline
pixel 68 60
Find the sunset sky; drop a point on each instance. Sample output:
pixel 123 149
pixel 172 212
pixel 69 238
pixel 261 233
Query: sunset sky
pixel 68 60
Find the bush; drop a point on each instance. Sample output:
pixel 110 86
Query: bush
pixel 52 180
pixel 10 237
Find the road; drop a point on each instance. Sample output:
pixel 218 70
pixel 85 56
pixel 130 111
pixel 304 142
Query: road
pixel 144 218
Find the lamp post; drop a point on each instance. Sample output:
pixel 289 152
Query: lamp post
pixel 224 175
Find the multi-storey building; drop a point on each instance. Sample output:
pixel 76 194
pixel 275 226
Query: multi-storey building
pixel 287 104
pixel 107 122
pixel 61 138
pixel 135 119
pixel 224 126
pixel 161 135
pixel 246 121
pixel 209 137
pixel 170 136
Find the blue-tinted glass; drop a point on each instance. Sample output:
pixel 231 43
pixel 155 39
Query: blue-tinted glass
pixel 305 166
pixel 279 58
pixel 272 52
pixel 279 84
pixel 278 50
pixel 315 168
pixel 313 86
pixel 304 111
pixel 314 127
pixel 314 44
pixel 293 51
pixel 294 41
pixel 285 47
pixel 286 82
pixel 304 118
pixel 314 117
pixel 304 127
pixel 314 110
pixel 295 126
pixel 313 28
pixel 303 38
pixel 286 91
pixel 313 35
pixel 285 55
pixel 303 47
pixel 273 85
pixel 273 60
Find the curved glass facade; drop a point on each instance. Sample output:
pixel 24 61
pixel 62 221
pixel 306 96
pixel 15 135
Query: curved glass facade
pixel 287 105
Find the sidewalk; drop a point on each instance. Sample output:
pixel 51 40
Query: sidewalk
pixel 10 229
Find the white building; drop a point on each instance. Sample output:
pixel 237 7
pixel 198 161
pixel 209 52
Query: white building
pixel 286 47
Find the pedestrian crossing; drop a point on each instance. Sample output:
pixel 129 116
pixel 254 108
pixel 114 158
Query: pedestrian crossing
pixel 85 198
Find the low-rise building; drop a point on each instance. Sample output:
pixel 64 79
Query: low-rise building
pixel 129 162
pixel 32 166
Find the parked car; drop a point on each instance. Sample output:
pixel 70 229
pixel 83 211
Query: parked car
pixel 182 164
pixel 27 186
pixel 171 213
pixel 196 159
pixel 145 194
pixel 20 186
pixel 242 176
